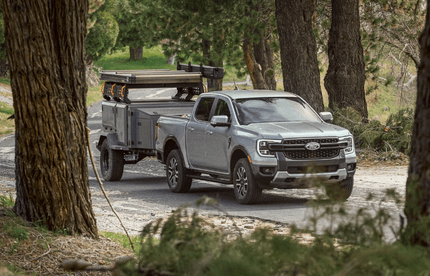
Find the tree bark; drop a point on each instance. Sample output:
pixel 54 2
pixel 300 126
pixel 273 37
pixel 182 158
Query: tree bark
pixel 255 70
pixel 298 50
pixel 46 55
pixel 417 205
pixel 136 53
pixel 264 57
pixel 270 75
pixel 345 77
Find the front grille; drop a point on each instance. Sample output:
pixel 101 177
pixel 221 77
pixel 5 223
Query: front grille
pixel 295 148
pixel 307 154
pixel 305 141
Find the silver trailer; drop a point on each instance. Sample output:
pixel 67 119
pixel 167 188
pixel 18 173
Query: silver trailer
pixel 133 100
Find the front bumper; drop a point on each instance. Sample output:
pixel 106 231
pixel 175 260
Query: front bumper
pixel 284 173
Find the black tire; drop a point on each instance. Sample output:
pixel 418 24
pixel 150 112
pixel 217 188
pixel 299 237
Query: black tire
pixel 176 173
pixel 340 191
pixel 111 163
pixel 246 189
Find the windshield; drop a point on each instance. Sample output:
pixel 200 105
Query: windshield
pixel 265 109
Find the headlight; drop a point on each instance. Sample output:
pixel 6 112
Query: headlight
pixel 263 147
pixel 350 147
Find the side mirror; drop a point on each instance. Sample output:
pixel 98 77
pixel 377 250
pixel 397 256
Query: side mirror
pixel 327 117
pixel 219 120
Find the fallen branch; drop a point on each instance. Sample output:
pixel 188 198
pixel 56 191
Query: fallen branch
pixel 102 188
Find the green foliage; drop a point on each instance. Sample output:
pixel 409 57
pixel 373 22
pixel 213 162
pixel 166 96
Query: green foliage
pixel 6 201
pixel 7 109
pixel 181 244
pixel 5 81
pixel 122 239
pixel 208 32
pixel 102 36
pixel 394 136
pixel 185 245
pixel 16 231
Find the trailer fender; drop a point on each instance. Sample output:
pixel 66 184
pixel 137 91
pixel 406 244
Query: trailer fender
pixel 112 139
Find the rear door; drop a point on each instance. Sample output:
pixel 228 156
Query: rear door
pixel 195 133
pixel 217 140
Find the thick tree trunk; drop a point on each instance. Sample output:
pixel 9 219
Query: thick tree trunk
pixel 345 77
pixel 298 50
pixel 255 70
pixel 136 53
pixel 417 205
pixel 45 40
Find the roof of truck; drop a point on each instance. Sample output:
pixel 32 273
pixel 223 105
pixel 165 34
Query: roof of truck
pixel 240 94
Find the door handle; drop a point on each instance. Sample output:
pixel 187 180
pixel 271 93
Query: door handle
pixel 210 132
pixel 191 129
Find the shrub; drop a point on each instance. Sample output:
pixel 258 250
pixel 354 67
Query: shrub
pixel 394 136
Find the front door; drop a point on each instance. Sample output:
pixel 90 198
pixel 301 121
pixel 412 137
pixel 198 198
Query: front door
pixel 217 141
pixel 195 133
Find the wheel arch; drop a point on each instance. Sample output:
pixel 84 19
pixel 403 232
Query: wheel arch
pixel 112 139
pixel 237 154
pixel 170 144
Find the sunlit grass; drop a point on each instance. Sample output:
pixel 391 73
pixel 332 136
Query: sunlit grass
pixel 123 239
pixel 94 95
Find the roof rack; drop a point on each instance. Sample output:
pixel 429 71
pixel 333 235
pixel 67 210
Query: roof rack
pixel 187 79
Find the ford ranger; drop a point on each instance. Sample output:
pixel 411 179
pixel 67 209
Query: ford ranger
pixel 255 140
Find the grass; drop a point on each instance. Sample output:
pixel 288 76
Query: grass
pixel 94 95
pixel 123 239
pixel 152 58
pixel 5 81
pixel 6 126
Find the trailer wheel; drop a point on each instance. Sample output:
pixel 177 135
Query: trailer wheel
pixel 340 191
pixel 246 189
pixel 176 173
pixel 111 163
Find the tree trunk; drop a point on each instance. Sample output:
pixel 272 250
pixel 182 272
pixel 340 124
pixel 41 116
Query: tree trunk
pixel 136 53
pixel 255 70
pixel 4 68
pixel 213 84
pixel 298 50
pixel 345 77
pixel 45 40
pixel 270 75
pixel 264 57
pixel 417 205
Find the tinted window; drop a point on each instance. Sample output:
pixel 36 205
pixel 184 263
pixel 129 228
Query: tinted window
pixel 204 109
pixel 259 110
pixel 222 109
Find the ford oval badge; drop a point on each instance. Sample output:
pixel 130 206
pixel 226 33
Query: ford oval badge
pixel 312 146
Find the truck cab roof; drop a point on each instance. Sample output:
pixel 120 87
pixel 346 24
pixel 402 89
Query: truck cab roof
pixel 240 94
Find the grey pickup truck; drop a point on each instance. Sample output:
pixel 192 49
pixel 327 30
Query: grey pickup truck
pixel 256 140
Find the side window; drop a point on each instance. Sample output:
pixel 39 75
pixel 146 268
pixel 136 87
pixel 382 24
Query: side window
pixel 222 109
pixel 204 109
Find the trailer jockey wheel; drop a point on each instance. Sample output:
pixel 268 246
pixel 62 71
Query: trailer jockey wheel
pixel 111 163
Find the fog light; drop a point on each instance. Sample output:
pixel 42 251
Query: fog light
pixel 351 167
pixel 267 170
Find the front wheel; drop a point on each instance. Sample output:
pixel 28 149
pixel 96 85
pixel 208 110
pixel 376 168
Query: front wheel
pixel 246 189
pixel 340 191
pixel 176 173
pixel 111 163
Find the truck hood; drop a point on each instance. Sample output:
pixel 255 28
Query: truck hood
pixel 282 130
